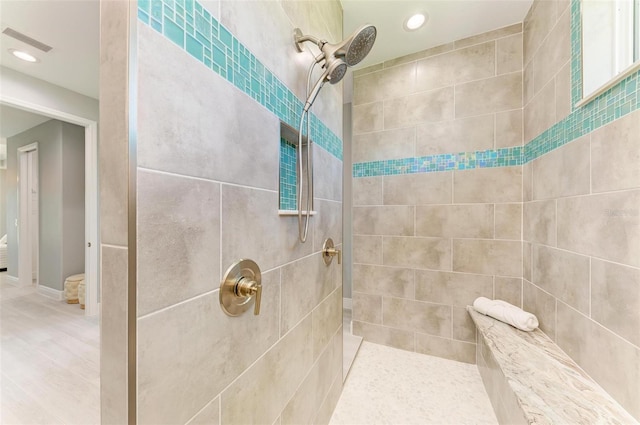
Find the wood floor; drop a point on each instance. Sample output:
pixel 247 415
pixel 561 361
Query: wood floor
pixel 49 360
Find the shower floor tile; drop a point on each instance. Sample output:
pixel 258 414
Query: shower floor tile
pixel 391 386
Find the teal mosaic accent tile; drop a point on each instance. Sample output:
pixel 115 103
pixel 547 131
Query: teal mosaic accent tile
pixel 173 32
pixel 505 157
pixel 144 6
pixel 616 102
pixel 288 176
pixel 194 47
pixel 188 24
pixel 143 16
pixel 156 9
pixel 156 25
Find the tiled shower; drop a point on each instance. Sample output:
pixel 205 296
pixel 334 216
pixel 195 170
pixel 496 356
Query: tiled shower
pixel 204 174
pixel 473 175
pixel 434 229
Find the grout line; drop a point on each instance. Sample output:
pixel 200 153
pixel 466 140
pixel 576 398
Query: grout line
pixel 454 100
pixel 431 237
pixel 106 245
pixel 280 304
pixel 185 301
pixel 453 187
pixel 451 259
pixel 415 221
pixel 590 286
pixel 495 130
pixel 495 58
pixel 533 55
pixel 167 173
pixel 590 164
pixel 582 255
pixel 452 321
pixel 207 404
pixel 495 208
pixel 555 202
pixel 415 286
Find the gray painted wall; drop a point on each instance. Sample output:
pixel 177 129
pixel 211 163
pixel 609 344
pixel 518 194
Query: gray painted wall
pixel 3 203
pixel 73 186
pixel 52 137
pixel 48 136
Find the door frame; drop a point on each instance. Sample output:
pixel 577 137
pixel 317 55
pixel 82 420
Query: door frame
pixel 25 219
pixel 92 235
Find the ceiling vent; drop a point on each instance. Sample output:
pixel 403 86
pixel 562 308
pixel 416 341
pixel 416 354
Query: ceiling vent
pixel 26 39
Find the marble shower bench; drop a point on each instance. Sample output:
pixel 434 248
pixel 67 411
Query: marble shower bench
pixel 530 380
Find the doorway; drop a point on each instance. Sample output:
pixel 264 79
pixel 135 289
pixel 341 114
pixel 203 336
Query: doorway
pixel 28 215
pixel 92 255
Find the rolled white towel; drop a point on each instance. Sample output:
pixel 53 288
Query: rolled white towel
pixel 507 313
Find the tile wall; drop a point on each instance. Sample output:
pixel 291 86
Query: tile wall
pixel 207 193
pixel 436 229
pixel 114 159
pixel 582 212
pixel 202 35
pixel 426 243
pixel 208 196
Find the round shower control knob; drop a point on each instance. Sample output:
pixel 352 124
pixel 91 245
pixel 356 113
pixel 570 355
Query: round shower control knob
pixel 241 285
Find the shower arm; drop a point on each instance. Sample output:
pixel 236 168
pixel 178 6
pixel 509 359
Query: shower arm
pixel 300 39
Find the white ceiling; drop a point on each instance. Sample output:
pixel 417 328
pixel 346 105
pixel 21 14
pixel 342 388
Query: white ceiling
pixel 449 20
pixel 14 121
pixel 71 27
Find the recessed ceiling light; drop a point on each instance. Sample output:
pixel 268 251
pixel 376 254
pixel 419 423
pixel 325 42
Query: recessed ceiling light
pixel 23 55
pixel 415 21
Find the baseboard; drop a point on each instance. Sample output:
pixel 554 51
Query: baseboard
pixel 346 303
pixel 12 280
pixel 54 294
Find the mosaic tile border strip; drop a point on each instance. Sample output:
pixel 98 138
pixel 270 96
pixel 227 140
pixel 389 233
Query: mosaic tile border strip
pixel 615 103
pixel 505 157
pixel 618 101
pixel 189 25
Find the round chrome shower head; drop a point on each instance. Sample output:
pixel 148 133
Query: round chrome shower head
pixel 336 70
pixel 360 45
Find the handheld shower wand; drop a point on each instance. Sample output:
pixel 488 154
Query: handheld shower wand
pixel 336 58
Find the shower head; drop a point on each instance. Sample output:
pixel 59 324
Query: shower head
pixel 351 50
pixel 355 48
pixel 336 70
pixel 337 57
